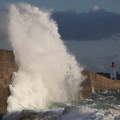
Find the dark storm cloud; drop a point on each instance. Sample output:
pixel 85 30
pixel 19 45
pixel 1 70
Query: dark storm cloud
pixel 3 27
pixel 94 25
pixel 4 30
pixel 101 64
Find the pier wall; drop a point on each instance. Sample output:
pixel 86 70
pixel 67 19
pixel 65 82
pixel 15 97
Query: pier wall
pixel 93 83
pixel 7 67
pixel 96 83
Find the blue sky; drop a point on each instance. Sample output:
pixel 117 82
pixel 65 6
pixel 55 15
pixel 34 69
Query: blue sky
pixel 95 52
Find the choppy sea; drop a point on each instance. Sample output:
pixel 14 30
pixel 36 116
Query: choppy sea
pixel 103 106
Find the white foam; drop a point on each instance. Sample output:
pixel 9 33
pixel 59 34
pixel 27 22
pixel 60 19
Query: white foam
pixel 88 112
pixel 47 72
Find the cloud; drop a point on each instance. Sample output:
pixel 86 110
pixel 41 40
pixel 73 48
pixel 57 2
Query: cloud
pixel 4 44
pixel 95 8
pixel 3 27
pixel 101 64
pixel 97 24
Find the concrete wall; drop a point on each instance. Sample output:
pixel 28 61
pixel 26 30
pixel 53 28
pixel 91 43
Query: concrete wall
pixel 97 83
pixel 7 67
pixel 93 82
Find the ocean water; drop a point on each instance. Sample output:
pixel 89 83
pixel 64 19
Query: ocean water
pixel 103 106
pixel 48 79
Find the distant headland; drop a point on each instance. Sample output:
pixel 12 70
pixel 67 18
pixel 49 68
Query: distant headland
pixel 108 75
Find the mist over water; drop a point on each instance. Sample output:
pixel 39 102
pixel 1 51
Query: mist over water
pixel 47 72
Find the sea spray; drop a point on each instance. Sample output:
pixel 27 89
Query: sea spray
pixel 47 72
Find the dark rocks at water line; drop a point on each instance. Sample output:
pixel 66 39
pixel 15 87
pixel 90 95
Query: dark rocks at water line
pixel 31 115
pixel 70 109
pixel 47 115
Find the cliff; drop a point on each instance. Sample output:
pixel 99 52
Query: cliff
pixel 93 83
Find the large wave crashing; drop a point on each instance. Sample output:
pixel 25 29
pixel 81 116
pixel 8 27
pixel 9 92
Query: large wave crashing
pixel 46 70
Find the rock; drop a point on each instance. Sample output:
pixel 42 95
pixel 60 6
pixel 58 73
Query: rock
pixel 32 115
pixel 69 109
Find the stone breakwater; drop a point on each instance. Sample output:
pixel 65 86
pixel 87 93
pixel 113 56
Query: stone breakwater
pixel 96 83
pixel 7 67
pixel 93 83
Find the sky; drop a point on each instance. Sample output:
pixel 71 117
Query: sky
pixel 89 28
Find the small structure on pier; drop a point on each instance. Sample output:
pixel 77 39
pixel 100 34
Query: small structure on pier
pixel 113 71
